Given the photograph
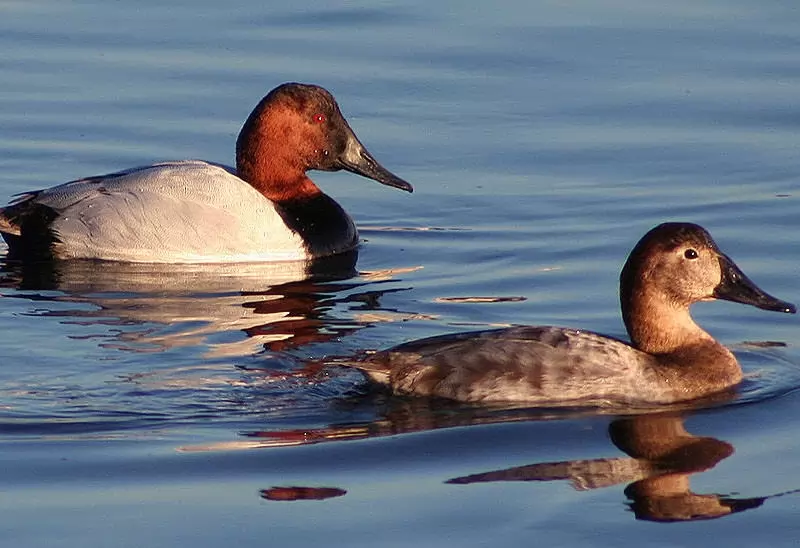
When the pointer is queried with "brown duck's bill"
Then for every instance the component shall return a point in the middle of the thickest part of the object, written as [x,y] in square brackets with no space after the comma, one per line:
[358,160]
[737,287]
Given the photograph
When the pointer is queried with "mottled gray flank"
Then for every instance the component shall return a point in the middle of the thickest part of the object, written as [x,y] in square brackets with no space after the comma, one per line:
[542,365]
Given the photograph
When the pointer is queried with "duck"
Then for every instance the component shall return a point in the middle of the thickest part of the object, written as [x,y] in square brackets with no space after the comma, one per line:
[193,211]
[669,358]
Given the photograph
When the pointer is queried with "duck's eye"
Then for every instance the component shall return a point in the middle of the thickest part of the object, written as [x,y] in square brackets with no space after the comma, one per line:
[319,118]
[690,254]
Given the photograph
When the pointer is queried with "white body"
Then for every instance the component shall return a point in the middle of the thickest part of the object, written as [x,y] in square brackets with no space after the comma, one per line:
[186,212]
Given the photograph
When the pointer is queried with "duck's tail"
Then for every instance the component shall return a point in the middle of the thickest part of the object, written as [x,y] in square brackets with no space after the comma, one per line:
[374,369]
[9,223]
[12,214]
[25,226]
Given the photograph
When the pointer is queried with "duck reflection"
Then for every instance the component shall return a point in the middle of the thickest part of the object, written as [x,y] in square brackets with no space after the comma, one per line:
[230,309]
[301,493]
[663,456]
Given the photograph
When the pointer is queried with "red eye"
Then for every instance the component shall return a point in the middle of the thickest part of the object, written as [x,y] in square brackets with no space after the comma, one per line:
[319,118]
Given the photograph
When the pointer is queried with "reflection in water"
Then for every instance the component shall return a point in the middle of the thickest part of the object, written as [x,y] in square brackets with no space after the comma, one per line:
[663,456]
[158,307]
[406,414]
[301,493]
[227,341]
[151,307]
[86,276]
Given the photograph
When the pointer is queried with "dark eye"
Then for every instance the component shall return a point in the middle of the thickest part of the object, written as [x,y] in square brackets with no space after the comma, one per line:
[319,118]
[690,254]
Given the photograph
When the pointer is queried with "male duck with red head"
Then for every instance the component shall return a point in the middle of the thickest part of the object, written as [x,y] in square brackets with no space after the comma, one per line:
[267,209]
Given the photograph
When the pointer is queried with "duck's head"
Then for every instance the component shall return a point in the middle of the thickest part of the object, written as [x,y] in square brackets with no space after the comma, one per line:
[297,128]
[677,264]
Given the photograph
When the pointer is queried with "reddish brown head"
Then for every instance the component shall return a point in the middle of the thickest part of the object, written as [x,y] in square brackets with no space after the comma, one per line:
[296,128]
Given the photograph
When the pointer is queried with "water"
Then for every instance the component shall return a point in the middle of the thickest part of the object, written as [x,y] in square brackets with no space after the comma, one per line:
[172,408]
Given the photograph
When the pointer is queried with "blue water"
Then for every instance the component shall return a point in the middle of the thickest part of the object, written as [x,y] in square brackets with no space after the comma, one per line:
[183,406]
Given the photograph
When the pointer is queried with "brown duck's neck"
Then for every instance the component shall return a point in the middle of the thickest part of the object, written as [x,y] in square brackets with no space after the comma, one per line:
[659,326]
[689,357]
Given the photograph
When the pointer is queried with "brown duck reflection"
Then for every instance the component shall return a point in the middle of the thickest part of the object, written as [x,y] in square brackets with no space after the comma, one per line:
[294,493]
[152,307]
[663,456]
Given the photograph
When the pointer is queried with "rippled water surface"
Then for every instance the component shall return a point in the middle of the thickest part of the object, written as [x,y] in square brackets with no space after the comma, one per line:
[190,406]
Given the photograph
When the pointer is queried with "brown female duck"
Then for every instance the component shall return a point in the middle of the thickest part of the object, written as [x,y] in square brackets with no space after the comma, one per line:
[669,359]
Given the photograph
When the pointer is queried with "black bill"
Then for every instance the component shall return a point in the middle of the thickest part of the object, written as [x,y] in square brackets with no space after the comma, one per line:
[356,159]
[737,287]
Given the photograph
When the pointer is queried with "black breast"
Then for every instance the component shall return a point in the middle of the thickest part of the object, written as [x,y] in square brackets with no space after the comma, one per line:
[322,223]
[36,238]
